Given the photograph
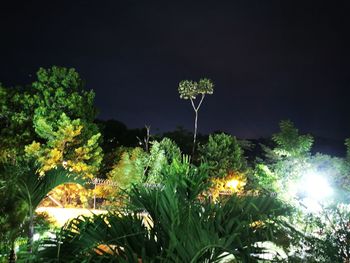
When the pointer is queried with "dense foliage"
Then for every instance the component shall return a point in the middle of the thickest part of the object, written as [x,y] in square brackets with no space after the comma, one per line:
[174,226]
[285,204]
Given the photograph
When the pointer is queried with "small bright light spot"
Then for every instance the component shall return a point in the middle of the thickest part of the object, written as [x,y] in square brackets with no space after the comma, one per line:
[233,184]
[36,237]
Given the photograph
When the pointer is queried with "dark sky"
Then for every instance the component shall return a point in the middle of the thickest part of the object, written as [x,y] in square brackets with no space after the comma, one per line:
[269,60]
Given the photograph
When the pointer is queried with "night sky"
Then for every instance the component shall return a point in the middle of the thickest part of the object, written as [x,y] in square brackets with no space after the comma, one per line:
[269,60]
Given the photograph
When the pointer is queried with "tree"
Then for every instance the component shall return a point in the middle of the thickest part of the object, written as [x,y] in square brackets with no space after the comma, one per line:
[223,154]
[60,90]
[57,90]
[16,119]
[34,188]
[66,145]
[289,142]
[61,119]
[171,150]
[190,90]
[286,162]
[337,171]
[26,190]
[134,165]
[129,169]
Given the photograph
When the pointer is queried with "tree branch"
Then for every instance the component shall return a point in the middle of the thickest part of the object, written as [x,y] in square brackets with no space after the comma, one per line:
[193,106]
[200,103]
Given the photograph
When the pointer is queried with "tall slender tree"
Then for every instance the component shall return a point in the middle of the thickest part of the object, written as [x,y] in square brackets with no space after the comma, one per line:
[190,90]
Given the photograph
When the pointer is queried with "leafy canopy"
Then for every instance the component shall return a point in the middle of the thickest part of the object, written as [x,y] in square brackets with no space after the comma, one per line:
[61,90]
[289,142]
[65,144]
[189,89]
[32,113]
[223,154]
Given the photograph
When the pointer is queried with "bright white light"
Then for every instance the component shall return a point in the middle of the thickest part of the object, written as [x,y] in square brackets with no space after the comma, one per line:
[36,237]
[233,184]
[315,187]
[312,205]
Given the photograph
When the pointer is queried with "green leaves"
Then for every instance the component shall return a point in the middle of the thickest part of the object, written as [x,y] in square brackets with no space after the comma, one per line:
[223,154]
[290,143]
[58,90]
[39,110]
[67,141]
[189,89]
[22,190]
[173,223]
[13,209]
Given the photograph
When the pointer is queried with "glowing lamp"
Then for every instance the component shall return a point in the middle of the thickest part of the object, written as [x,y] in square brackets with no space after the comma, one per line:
[233,184]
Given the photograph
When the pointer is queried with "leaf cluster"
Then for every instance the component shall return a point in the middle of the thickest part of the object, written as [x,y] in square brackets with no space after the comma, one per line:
[223,154]
[189,89]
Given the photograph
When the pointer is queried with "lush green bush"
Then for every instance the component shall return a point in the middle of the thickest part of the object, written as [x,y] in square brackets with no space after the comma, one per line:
[173,222]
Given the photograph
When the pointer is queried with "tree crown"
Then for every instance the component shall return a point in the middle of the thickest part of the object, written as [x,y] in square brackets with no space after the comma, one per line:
[189,89]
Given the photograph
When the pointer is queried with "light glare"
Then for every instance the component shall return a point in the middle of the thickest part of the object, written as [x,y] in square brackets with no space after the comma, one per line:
[315,187]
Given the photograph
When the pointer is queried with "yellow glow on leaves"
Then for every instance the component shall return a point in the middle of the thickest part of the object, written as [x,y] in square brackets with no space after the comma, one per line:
[234,182]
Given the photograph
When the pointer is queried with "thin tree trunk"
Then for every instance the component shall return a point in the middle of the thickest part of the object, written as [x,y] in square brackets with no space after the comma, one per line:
[196,109]
[146,139]
[195,132]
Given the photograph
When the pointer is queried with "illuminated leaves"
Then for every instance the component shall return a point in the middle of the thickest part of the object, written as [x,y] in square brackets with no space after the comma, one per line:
[223,155]
[233,183]
[69,195]
[189,89]
[128,170]
[289,142]
[66,144]
[58,90]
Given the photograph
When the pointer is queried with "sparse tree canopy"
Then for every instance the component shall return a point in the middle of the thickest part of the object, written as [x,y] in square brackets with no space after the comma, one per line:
[189,89]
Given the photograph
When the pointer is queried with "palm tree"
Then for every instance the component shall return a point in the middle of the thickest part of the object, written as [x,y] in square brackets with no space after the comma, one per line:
[172,223]
[29,189]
